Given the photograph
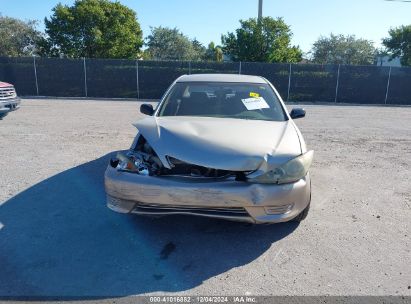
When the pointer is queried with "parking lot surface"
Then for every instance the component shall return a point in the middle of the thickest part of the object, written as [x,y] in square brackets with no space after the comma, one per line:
[57,238]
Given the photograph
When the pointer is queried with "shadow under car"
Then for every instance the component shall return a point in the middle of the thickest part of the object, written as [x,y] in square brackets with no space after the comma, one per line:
[59,240]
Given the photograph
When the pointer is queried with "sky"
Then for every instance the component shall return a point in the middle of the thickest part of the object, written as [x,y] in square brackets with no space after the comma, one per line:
[206,20]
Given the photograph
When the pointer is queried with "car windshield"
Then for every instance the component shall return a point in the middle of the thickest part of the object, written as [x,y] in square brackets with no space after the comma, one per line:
[226,100]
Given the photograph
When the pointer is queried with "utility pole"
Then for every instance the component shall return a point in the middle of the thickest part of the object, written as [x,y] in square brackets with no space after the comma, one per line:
[260,9]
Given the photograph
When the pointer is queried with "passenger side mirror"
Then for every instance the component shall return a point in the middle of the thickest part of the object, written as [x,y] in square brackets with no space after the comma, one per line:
[147,109]
[297,113]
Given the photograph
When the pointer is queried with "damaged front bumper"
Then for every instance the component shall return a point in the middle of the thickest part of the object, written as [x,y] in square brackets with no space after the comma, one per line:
[227,199]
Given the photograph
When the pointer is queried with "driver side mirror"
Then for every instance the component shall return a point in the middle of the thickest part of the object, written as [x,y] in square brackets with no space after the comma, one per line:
[297,113]
[147,109]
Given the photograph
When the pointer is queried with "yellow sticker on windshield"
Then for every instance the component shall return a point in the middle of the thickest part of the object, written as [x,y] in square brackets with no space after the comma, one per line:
[255,95]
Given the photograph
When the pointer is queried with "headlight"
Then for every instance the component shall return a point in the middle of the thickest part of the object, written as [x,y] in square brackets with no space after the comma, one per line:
[125,163]
[129,163]
[291,171]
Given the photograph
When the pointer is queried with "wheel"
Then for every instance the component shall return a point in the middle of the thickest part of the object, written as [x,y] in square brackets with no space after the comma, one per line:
[302,215]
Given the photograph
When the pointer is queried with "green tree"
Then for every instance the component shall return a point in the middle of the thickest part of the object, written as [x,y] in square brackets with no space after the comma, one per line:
[399,43]
[18,38]
[199,50]
[170,44]
[94,29]
[219,55]
[145,55]
[340,49]
[265,40]
[213,53]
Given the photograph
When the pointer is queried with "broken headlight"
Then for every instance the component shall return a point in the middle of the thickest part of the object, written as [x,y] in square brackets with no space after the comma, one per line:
[291,171]
[130,163]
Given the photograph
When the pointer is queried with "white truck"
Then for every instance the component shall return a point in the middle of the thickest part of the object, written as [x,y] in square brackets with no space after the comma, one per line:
[8,99]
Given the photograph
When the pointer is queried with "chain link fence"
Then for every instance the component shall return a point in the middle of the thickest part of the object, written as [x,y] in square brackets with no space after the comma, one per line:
[123,78]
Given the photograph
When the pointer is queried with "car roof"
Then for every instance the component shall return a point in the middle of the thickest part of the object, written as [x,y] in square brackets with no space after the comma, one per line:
[221,78]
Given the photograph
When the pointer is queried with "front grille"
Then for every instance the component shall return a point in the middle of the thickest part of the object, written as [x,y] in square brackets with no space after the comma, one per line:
[182,168]
[7,92]
[212,211]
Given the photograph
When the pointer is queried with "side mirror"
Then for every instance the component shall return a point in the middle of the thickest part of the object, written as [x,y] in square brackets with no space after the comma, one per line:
[297,113]
[147,109]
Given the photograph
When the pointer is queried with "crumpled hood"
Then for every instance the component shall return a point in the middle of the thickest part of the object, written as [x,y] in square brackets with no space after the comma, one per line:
[221,143]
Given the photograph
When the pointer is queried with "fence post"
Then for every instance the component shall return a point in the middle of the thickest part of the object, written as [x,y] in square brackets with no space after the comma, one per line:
[35,75]
[85,76]
[137,81]
[388,86]
[289,82]
[239,68]
[337,84]
[189,67]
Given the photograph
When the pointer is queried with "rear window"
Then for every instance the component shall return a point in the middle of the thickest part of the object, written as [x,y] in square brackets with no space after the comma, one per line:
[225,100]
